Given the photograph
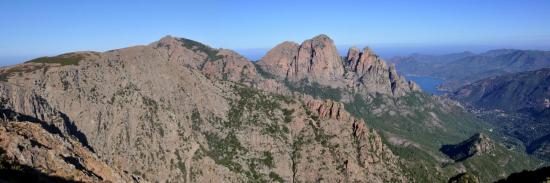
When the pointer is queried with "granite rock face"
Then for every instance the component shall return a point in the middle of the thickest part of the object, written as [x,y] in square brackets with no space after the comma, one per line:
[317,60]
[177,110]
[27,144]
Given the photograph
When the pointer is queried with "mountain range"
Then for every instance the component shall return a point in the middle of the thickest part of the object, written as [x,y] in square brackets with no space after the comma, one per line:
[459,69]
[177,110]
[519,103]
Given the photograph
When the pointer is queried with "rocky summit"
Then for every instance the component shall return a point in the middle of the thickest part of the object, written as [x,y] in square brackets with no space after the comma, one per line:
[317,60]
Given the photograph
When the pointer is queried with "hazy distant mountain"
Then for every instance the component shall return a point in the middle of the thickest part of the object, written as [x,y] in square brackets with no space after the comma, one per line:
[521,92]
[420,64]
[520,103]
[464,68]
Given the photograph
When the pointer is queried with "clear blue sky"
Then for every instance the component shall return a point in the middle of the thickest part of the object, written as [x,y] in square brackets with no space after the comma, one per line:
[34,28]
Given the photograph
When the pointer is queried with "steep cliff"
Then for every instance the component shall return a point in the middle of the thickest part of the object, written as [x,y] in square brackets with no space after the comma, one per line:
[316,60]
[29,153]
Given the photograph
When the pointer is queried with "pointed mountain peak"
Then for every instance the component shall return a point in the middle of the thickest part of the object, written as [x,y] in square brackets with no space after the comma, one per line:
[166,41]
[367,49]
[167,37]
[320,42]
[179,41]
[392,68]
[321,37]
[316,59]
[282,50]
[353,54]
[287,44]
[353,48]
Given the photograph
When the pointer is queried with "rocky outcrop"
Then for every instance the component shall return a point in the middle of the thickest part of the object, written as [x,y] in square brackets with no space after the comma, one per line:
[362,62]
[365,140]
[218,63]
[372,75]
[43,156]
[478,144]
[283,55]
[317,60]
[352,58]
[232,66]
[328,109]
[368,153]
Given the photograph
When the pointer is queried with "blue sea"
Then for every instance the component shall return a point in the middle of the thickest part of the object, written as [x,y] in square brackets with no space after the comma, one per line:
[428,84]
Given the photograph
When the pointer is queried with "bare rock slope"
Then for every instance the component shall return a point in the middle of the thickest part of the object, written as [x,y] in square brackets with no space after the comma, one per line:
[29,153]
[179,111]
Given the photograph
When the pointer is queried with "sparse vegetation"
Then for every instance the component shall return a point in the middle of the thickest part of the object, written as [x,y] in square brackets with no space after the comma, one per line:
[65,59]
[262,72]
[267,159]
[196,46]
[123,93]
[252,174]
[180,164]
[151,115]
[276,130]
[257,106]
[466,177]
[196,120]
[150,103]
[251,101]
[320,135]
[288,115]
[251,109]
[276,177]
[314,89]
[43,63]
[429,124]
[19,70]
[295,154]
[224,151]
